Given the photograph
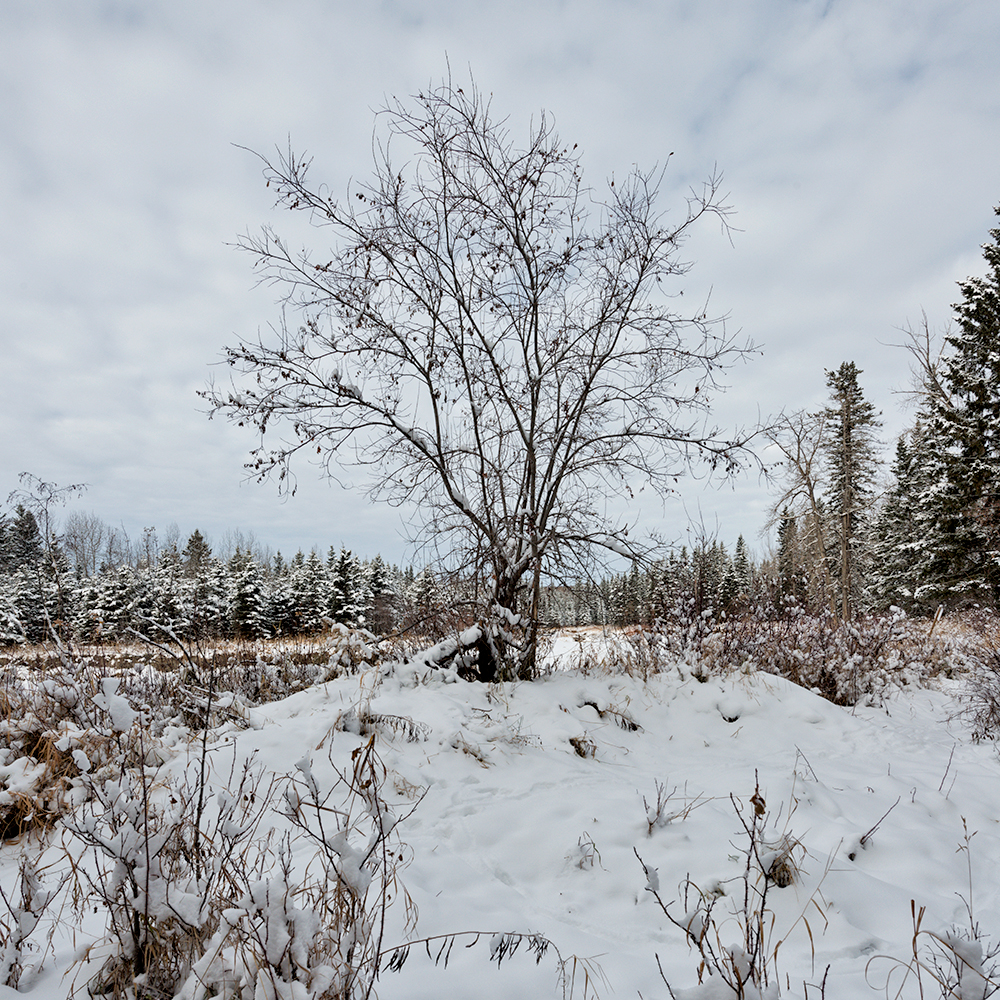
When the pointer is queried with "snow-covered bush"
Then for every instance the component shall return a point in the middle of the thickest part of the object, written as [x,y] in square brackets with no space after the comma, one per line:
[350,649]
[158,856]
[982,660]
[55,728]
[293,930]
[359,860]
[61,707]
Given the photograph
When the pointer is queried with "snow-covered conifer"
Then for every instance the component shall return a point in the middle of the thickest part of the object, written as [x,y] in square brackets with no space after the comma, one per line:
[961,499]
[246,612]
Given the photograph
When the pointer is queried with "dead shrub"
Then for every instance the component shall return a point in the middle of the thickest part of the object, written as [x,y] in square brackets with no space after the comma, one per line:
[848,663]
[713,916]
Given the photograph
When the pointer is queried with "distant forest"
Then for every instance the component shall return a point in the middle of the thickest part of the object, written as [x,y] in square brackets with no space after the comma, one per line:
[89,583]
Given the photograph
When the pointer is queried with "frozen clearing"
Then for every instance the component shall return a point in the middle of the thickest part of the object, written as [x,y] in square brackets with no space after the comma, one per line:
[521,830]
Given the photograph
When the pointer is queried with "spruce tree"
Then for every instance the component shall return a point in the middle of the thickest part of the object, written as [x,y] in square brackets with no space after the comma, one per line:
[852,462]
[280,599]
[23,545]
[247,615]
[309,586]
[345,601]
[789,589]
[742,570]
[964,561]
[380,594]
[196,553]
[4,543]
[11,632]
[424,593]
[900,529]
[168,591]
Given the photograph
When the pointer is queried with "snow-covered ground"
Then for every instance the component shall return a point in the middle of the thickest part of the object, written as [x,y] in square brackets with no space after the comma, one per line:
[520,829]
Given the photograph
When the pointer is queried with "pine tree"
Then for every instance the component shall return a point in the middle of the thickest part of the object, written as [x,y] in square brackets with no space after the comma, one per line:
[4,543]
[11,630]
[381,595]
[115,591]
[424,593]
[168,592]
[30,609]
[790,588]
[313,595]
[345,601]
[309,586]
[280,599]
[619,605]
[742,571]
[852,463]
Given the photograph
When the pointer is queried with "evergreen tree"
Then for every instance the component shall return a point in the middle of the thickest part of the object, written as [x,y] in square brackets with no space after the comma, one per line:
[246,611]
[312,593]
[742,571]
[22,542]
[962,495]
[790,588]
[30,604]
[346,600]
[168,592]
[381,597]
[897,540]
[210,607]
[308,583]
[4,543]
[280,599]
[11,631]
[620,607]
[728,591]
[852,463]
[424,594]
[677,585]
[196,553]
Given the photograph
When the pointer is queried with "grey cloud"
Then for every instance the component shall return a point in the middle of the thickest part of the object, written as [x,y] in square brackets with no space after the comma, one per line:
[859,143]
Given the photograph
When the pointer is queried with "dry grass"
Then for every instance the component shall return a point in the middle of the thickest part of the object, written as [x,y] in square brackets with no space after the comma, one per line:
[713,916]
[50,723]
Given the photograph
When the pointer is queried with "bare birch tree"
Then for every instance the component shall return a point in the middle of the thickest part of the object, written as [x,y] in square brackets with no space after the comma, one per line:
[493,342]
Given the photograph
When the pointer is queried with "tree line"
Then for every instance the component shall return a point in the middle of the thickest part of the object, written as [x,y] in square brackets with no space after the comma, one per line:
[46,589]
[928,534]
[62,583]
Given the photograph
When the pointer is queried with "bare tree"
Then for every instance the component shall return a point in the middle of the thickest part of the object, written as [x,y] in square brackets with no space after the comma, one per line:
[799,437]
[926,351]
[491,341]
[84,538]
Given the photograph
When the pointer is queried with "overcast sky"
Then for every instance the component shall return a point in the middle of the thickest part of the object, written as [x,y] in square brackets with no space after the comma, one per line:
[860,142]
